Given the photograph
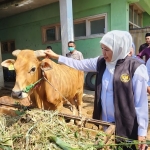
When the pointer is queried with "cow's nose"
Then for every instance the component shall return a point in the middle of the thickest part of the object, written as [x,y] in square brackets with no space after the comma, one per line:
[16,94]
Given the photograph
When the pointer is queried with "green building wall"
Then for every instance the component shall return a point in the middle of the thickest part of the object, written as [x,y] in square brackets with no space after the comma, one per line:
[25,28]
[119,15]
[146,20]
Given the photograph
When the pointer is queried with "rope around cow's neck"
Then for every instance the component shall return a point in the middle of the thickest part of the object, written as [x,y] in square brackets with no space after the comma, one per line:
[29,87]
[55,89]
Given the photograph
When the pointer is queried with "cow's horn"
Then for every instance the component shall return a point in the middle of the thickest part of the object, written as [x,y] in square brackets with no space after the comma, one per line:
[16,52]
[39,53]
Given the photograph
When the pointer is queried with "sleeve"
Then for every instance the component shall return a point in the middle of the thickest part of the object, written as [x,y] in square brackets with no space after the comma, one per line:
[141,54]
[148,70]
[140,48]
[139,81]
[87,65]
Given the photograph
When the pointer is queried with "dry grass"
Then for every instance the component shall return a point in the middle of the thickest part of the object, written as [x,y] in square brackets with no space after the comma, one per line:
[45,130]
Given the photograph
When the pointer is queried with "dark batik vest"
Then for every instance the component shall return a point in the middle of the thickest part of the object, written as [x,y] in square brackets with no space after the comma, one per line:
[123,96]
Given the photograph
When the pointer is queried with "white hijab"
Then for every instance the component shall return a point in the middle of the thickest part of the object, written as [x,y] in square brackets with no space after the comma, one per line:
[120,43]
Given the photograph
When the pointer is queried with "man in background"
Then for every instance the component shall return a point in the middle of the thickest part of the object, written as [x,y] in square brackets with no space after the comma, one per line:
[145,53]
[73,53]
[48,47]
[145,45]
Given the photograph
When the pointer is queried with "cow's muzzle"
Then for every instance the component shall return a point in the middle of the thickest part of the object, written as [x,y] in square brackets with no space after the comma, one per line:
[17,94]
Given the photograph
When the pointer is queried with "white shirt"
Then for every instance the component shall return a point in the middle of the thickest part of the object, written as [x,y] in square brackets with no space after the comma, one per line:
[139,82]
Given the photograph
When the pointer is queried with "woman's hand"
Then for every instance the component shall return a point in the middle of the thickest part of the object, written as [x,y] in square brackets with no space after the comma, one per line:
[51,54]
[142,140]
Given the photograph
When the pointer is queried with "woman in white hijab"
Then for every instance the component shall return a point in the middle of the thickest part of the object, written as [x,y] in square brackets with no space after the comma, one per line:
[121,85]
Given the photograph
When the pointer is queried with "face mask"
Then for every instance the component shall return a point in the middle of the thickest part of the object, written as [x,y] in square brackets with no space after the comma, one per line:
[71,49]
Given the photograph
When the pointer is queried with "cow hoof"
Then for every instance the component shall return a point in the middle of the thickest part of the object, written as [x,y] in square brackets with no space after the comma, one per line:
[71,122]
[78,123]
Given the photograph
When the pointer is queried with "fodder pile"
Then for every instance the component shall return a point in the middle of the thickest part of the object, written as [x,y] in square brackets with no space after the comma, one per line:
[45,130]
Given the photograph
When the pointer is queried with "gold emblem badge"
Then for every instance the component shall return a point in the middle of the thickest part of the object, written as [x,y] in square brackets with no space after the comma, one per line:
[125,78]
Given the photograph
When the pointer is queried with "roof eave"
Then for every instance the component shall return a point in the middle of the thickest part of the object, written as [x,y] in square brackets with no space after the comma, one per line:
[145,4]
[132,1]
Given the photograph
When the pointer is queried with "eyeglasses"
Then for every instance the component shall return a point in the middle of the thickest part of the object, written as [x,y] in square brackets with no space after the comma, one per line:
[70,46]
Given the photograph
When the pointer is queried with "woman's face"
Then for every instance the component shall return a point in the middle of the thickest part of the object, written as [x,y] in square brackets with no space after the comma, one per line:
[107,53]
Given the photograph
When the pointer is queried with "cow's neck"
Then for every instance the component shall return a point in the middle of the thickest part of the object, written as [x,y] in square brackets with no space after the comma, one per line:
[39,78]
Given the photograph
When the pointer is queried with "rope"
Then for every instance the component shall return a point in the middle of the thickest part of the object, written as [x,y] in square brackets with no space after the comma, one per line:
[29,87]
[71,107]
[55,89]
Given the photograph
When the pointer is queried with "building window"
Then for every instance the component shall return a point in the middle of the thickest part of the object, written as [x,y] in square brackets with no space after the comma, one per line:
[89,27]
[80,29]
[135,17]
[51,33]
[98,26]
[7,46]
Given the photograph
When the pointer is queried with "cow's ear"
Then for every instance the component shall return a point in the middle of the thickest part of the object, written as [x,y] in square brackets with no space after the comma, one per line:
[39,53]
[16,52]
[7,63]
[46,64]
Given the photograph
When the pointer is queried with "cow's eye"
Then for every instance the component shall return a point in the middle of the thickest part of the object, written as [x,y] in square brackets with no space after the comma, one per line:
[33,69]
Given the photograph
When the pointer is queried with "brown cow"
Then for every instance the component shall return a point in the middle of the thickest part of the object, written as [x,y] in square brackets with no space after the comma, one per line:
[62,81]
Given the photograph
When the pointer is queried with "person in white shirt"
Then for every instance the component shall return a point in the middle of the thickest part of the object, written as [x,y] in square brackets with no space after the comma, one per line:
[121,83]
[73,53]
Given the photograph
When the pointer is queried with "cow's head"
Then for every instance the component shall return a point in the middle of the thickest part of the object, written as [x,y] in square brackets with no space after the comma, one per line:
[27,67]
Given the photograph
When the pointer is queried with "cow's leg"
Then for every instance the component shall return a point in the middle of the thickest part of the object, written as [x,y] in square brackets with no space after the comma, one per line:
[68,103]
[74,106]
[79,102]
[33,100]
[74,110]
[39,101]
[59,105]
